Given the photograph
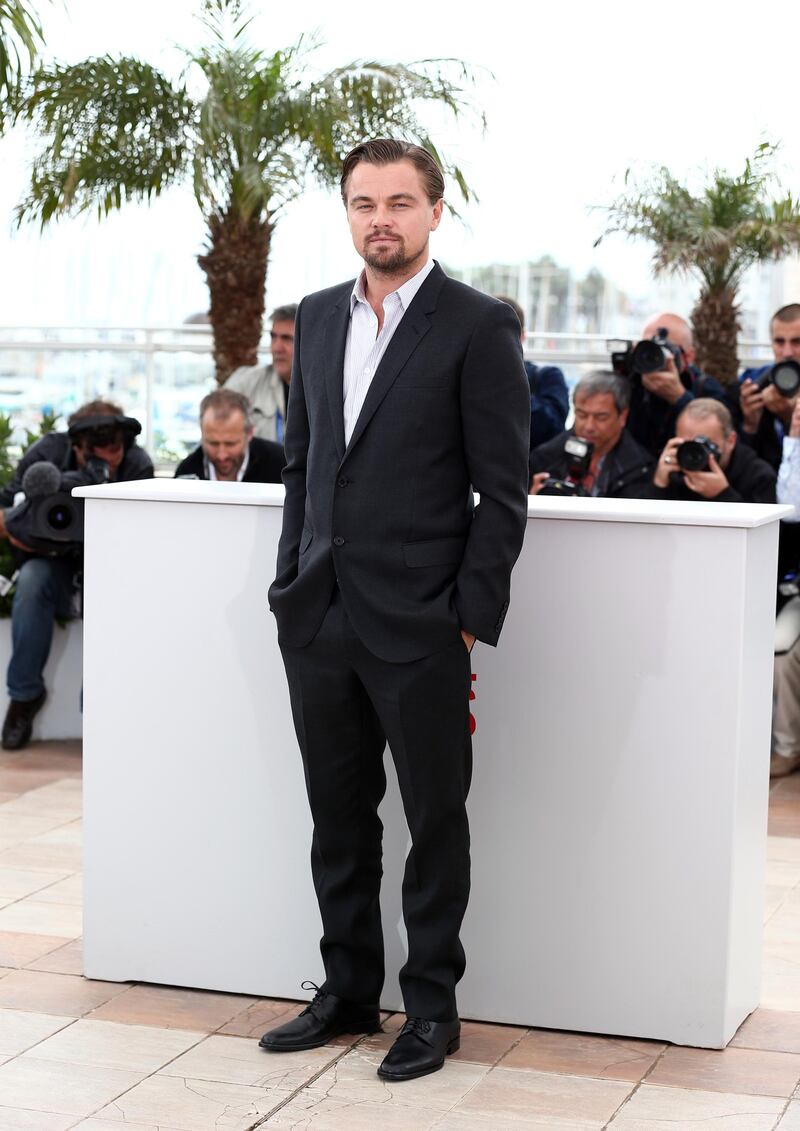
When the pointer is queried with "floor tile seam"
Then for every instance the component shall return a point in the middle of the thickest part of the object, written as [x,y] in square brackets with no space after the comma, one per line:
[781,1114]
[306,1084]
[638,1086]
[120,1095]
[48,902]
[121,1067]
[70,1021]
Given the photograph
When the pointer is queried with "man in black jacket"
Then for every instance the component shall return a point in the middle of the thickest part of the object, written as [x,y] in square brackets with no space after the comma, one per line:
[99,446]
[733,472]
[228,450]
[407,393]
[619,468]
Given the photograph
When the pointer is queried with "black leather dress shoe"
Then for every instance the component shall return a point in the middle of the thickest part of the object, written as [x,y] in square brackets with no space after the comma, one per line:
[420,1048]
[18,723]
[324,1018]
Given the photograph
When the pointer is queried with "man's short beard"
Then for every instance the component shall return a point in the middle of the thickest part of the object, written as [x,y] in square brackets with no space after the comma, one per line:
[390,264]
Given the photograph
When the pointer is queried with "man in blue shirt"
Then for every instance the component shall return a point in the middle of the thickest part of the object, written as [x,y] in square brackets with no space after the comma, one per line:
[766,414]
[549,392]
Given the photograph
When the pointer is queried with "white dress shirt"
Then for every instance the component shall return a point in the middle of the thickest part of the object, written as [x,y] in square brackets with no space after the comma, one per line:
[789,476]
[366,345]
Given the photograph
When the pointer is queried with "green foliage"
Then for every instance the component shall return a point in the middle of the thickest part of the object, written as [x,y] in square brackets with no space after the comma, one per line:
[20,38]
[262,125]
[716,233]
[47,424]
[7,465]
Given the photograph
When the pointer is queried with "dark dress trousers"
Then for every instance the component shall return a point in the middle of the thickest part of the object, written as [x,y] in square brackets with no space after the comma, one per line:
[383,559]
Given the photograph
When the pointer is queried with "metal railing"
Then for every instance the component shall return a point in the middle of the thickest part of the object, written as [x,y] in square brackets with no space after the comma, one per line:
[160,373]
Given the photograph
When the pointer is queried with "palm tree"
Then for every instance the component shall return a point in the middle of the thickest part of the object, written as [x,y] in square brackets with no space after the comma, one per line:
[20,36]
[715,235]
[260,130]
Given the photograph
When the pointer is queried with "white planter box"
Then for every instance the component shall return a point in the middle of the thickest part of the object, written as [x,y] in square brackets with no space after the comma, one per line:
[61,715]
[619,801]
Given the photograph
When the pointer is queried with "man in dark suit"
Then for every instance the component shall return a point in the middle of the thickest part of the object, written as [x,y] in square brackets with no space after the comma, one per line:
[407,392]
[228,449]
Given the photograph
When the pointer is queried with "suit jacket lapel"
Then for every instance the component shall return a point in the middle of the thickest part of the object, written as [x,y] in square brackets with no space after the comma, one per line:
[335,340]
[413,326]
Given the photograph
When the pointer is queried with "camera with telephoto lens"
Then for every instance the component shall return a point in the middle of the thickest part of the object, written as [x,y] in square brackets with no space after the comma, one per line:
[648,356]
[784,375]
[579,457]
[695,455]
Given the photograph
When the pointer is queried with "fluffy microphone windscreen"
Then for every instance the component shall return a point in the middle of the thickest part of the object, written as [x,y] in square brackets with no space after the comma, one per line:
[41,478]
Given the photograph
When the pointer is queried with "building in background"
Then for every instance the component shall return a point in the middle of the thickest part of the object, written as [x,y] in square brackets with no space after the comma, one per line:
[555,299]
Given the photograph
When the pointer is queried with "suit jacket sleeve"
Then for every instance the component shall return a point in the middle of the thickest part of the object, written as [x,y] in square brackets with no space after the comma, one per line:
[296,440]
[495,414]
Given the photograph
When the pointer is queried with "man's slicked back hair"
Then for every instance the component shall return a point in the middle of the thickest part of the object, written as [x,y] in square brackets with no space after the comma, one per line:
[386,151]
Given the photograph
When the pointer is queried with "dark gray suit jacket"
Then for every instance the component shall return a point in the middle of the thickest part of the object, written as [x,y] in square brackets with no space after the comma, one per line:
[392,516]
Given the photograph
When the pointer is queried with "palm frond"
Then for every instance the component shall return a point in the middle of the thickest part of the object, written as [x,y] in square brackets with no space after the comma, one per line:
[20,38]
[715,233]
[114,130]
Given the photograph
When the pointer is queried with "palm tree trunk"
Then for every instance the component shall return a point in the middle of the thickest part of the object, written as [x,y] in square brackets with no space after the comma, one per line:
[235,266]
[715,321]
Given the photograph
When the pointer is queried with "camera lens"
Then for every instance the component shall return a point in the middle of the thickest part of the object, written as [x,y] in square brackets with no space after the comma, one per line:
[60,517]
[648,357]
[786,377]
[692,455]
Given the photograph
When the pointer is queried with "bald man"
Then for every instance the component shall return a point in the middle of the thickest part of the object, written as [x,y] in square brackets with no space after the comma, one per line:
[658,400]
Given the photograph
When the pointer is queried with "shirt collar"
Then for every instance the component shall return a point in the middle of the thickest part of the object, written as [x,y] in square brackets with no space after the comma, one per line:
[405,293]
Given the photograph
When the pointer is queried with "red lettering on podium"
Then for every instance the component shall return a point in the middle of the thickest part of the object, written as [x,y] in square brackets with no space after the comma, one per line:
[472,723]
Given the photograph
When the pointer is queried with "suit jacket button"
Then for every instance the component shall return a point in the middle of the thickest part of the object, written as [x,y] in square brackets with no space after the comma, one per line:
[338,540]
[342,481]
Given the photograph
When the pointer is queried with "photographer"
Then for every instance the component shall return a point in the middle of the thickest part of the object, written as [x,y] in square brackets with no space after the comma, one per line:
[714,467]
[98,447]
[766,412]
[618,467]
[659,397]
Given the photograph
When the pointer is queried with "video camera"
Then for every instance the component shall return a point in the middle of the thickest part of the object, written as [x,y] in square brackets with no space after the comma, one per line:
[579,457]
[648,356]
[48,519]
[784,375]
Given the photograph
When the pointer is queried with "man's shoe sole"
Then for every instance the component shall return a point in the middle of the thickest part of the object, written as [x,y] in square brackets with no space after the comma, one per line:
[278,1046]
[454,1046]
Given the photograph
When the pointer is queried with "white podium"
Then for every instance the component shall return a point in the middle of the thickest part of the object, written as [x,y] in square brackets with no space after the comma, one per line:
[619,799]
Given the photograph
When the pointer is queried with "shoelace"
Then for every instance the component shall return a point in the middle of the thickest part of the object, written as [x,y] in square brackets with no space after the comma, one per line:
[417,1025]
[317,999]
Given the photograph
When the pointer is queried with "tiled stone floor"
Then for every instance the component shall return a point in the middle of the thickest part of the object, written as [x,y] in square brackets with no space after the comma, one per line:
[105,1056]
